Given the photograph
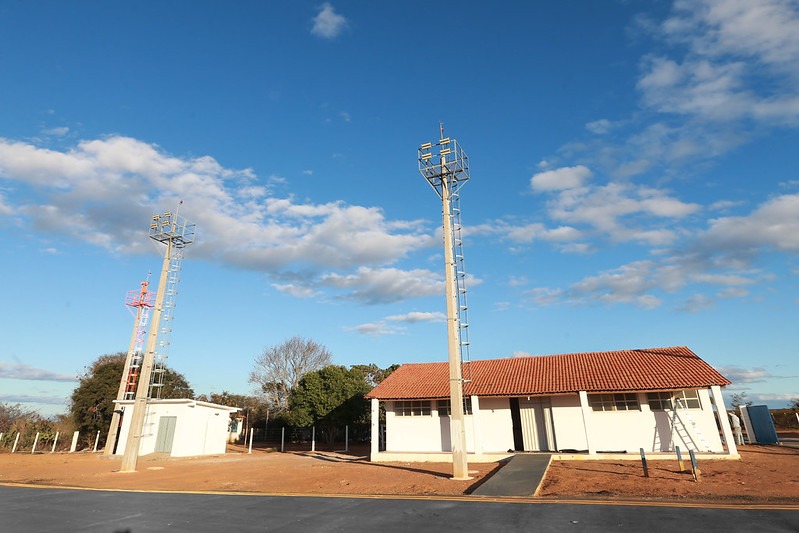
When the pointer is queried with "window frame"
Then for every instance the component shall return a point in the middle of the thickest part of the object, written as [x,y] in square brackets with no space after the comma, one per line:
[612,401]
[443,406]
[689,398]
[412,408]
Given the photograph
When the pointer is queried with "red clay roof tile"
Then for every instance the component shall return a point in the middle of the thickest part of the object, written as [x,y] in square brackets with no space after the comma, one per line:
[625,370]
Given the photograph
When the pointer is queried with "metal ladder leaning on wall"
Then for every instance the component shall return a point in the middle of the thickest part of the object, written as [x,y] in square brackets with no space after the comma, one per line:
[683,416]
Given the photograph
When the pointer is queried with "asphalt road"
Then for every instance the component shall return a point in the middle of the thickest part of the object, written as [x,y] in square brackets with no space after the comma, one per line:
[59,510]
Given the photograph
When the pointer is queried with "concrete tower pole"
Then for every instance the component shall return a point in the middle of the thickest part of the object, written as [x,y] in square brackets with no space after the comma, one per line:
[460,469]
[133,442]
[113,430]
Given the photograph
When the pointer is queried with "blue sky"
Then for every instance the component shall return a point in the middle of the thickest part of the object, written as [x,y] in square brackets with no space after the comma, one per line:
[634,181]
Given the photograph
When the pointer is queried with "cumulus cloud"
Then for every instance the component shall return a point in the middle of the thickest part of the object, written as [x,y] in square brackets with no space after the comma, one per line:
[104,191]
[773,225]
[729,44]
[328,24]
[372,286]
[560,178]
[611,209]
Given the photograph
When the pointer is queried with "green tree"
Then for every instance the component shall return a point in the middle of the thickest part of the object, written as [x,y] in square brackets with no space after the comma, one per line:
[330,398]
[279,369]
[92,401]
[794,404]
[374,374]
[254,409]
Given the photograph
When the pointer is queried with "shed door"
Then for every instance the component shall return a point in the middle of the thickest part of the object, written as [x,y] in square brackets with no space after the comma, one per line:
[536,414]
[166,434]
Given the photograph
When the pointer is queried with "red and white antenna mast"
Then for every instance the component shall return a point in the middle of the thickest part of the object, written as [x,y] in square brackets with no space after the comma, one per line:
[139,303]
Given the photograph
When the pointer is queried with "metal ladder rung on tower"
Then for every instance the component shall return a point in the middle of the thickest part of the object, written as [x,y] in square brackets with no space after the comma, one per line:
[460,280]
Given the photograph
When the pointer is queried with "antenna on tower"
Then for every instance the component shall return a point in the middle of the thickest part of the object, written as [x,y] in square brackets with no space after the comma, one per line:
[445,166]
[142,302]
[176,233]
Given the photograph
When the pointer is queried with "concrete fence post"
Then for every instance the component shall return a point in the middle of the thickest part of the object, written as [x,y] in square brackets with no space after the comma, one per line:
[16,441]
[35,441]
[282,438]
[74,445]
[55,441]
[313,438]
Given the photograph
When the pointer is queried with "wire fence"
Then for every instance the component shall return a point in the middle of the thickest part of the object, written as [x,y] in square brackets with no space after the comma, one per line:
[48,442]
[287,438]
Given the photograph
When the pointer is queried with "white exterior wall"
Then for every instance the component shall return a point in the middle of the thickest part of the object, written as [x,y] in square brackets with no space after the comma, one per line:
[201,428]
[496,425]
[567,421]
[612,430]
[656,431]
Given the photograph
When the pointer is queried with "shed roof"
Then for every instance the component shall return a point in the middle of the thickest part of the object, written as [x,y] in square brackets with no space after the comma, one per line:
[650,369]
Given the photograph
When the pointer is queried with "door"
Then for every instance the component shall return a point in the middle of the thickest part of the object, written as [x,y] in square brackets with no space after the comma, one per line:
[536,421]
[516,419]
[166,434]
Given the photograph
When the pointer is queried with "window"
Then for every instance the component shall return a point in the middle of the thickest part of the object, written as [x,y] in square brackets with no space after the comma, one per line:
[614,402]
[412,408]
[659,401]
[689,399]
[666,401]
[443,407]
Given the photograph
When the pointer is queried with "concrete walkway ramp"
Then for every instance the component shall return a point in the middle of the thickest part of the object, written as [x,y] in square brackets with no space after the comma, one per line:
[519,477]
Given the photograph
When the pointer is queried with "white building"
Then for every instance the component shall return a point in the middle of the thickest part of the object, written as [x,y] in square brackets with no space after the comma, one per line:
[588,403]
[179,427]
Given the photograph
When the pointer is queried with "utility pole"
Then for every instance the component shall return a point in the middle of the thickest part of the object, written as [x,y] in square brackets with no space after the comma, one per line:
[173,231]
[446,171]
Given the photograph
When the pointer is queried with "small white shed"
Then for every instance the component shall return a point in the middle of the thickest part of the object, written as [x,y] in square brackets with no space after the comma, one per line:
[179,427]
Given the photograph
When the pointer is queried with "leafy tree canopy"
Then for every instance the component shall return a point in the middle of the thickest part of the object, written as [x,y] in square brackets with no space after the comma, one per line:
[279,369]
[331,398]
[92,404]
[374,374]
[254,409]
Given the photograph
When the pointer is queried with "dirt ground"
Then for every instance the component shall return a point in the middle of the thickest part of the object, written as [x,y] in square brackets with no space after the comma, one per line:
[764,475]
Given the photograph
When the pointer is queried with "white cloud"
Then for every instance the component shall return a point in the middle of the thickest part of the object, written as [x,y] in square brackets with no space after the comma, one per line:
[58,131]
[560,178]
[104,191]
[378,328]
[418,316]
[599,127]
[696,303]
[372,286]
[773,225]
[298,291]
[609,209]
[27,372]
[732,47]
[327,23]
[737,374]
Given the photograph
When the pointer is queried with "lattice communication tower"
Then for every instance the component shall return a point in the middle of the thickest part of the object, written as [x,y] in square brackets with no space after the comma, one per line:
[177,233]
[445,166]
